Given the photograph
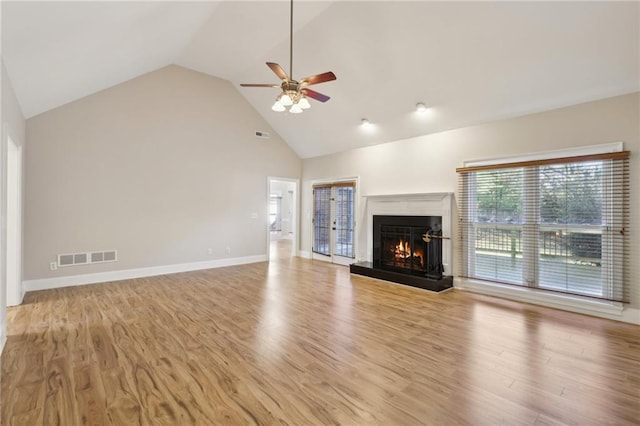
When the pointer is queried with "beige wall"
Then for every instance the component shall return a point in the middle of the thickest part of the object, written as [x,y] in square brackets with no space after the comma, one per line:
[428,163]
[161,168]
[13,125]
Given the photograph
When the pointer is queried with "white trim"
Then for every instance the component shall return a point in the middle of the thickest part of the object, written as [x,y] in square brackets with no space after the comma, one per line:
[422,196]
[321,257]
[583,305]
[13,155]
[304,254]
[126,274]
[336,180]
[3,339]
[546,155]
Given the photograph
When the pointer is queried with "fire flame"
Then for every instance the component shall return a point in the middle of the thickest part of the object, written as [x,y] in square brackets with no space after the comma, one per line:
[403,250]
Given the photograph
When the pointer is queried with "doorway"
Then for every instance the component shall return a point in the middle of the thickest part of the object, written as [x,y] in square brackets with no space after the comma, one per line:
[14,223]
[282,223]
[334,222]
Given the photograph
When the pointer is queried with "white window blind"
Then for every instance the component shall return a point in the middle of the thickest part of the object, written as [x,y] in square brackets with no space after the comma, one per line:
[557,224]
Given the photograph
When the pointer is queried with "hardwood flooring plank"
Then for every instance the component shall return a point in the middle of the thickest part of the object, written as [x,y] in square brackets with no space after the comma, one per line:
[60,402]
[90,396]
[122,404]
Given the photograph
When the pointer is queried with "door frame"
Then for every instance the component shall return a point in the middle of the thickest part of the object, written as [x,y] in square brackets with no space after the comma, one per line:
[356,212]
[11,252]
[13,194]
[295,215]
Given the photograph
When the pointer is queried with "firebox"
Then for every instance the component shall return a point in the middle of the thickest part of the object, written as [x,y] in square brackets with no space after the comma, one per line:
[408,244]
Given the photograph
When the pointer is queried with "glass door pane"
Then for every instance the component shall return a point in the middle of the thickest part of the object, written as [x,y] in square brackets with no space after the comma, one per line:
[322,220]
[344,221]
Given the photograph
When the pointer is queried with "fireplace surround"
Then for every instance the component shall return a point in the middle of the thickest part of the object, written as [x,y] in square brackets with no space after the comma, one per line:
[408,240]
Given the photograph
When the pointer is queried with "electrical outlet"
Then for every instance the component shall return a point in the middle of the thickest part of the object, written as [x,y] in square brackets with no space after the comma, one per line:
[53,266]
[228,250]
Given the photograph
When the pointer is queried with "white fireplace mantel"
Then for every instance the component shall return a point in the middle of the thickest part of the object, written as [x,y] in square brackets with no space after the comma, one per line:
[424,204]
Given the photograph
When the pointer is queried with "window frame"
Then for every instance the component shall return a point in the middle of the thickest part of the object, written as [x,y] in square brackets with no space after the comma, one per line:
[531,225]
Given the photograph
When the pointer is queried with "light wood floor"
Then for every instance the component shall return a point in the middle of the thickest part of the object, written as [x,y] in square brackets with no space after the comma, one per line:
[303,342]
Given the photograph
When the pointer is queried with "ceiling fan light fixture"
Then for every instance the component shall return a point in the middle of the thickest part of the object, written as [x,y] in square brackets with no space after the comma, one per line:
[295,109]
[278,107]
[304,103]
[286,100]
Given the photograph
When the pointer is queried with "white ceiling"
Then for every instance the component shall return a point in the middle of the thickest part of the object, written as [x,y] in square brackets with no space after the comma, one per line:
[470,62]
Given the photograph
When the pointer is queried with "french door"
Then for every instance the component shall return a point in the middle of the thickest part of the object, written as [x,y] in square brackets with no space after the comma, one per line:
[334,222]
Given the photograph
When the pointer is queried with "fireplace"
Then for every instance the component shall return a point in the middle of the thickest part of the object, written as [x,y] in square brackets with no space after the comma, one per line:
[408,244]
[408,240]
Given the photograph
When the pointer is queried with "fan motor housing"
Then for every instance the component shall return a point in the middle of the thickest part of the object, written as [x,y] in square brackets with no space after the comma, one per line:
[290,86]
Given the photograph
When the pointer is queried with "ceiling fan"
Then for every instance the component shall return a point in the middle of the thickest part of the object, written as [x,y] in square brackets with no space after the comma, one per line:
[294,92]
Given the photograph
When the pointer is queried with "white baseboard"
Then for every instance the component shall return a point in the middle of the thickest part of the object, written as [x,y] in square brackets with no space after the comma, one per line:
[304,254]
[126,274]
[3,338]
[582,305]
[19,301]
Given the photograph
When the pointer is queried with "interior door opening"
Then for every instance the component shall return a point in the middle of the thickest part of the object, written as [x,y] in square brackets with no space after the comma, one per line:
[282,218]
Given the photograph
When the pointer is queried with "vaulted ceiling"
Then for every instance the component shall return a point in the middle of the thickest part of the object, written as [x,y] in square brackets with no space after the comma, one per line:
[469,62]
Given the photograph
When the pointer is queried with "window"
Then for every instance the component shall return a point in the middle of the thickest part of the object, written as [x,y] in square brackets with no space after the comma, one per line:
[556,224]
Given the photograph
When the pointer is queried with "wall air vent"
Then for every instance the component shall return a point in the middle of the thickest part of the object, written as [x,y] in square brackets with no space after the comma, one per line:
[65,259]
[74,259]
[263,135]
[104,256]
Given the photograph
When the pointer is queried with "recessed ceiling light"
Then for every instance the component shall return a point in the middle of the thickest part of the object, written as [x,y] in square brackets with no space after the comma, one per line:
[420,107]
[366,123]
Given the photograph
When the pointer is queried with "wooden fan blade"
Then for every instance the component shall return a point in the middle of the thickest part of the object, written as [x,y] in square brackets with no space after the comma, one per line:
[318,78]
[278,70]
[315,95]
[259,85]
